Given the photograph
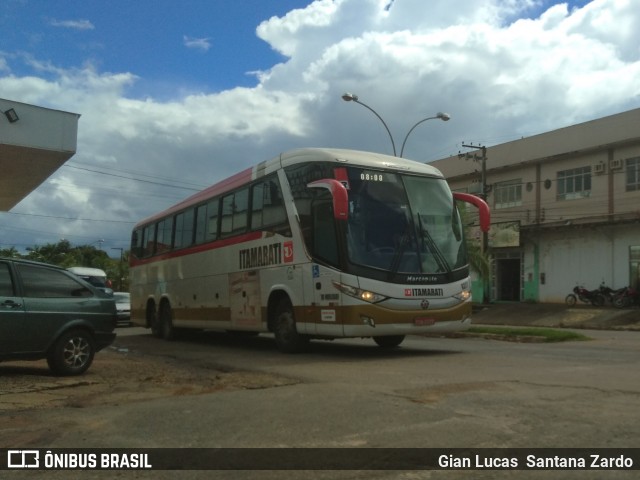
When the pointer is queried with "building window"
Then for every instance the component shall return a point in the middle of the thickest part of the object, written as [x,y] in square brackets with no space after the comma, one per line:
[633,174]
[574,183]
[508,194]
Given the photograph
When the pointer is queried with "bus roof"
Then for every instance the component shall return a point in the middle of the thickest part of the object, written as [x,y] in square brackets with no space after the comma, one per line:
[292,157]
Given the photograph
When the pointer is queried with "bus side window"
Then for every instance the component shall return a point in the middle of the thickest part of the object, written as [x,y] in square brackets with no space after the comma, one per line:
[187,228]
[235,208]
[163,235]
[201,223]
[136,244]
[148,240]
[267,206]
[179,223]
[212,221]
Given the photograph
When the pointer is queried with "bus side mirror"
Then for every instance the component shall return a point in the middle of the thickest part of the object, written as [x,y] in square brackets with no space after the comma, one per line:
[480,204]
[339,195]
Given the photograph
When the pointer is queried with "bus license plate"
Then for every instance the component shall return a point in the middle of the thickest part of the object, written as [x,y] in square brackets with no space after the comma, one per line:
[423,321]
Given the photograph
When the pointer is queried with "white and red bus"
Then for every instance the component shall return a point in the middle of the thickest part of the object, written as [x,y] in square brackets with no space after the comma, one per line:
[315,243]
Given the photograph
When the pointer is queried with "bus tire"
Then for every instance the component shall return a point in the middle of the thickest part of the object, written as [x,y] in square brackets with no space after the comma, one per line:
[152,320]
[389,341]
[166,330]
[288,339]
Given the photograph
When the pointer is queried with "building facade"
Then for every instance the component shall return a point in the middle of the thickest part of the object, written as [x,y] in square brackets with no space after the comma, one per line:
[565,208]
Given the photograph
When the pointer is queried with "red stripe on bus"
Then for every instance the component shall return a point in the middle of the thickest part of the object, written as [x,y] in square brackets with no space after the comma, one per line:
[203,247]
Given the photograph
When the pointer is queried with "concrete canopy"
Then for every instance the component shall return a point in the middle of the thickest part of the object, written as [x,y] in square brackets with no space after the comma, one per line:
[32,148]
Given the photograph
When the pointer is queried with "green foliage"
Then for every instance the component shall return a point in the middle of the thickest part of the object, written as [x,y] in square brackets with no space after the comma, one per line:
[478,261]
[65,255]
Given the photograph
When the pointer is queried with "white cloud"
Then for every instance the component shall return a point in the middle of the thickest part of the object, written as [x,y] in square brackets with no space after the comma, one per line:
[197,43]
[79,24]
[500,78]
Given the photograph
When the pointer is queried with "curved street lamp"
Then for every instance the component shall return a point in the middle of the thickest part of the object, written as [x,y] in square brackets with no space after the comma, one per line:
[442,116]
[350,97]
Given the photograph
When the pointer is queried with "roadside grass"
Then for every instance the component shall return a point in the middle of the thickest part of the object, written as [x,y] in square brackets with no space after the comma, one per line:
[523,333]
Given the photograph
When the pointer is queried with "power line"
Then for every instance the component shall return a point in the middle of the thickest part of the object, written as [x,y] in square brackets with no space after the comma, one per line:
[69,218]
[133,179]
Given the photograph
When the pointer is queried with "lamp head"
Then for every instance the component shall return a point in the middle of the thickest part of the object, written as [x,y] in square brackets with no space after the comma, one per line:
[348,97]
[443,116]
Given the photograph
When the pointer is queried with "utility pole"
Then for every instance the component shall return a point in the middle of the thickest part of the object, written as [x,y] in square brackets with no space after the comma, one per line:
[484,246]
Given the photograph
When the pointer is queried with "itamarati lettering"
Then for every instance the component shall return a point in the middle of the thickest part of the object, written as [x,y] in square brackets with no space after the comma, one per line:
[261,256]
[423,292]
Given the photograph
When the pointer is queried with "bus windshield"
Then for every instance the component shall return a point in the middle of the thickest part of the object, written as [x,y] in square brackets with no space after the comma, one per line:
[403,223]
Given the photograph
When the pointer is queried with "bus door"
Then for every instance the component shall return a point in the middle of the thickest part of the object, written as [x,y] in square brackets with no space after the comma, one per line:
[324,245]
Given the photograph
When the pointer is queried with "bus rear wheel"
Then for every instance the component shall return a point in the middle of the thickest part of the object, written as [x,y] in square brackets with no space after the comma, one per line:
[288,339]
[166,330]
[390,341]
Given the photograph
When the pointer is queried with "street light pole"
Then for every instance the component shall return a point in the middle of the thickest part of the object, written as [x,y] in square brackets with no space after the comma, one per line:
[350,97]
[442,116]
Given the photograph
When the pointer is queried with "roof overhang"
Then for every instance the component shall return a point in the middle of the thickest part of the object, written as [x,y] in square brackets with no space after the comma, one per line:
[32,148]
[24,169]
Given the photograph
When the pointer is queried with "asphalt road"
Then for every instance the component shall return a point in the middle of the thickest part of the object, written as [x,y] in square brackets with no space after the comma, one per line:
[431,392]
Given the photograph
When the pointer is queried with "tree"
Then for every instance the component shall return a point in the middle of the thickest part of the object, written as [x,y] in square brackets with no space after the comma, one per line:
[9,252]
[63,254]
[479,261]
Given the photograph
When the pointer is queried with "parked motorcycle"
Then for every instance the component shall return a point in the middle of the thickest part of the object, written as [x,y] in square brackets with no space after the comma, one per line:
[629,296]
[610,294]
[594,297]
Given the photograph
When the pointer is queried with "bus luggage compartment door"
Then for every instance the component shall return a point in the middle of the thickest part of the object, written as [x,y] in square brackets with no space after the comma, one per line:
[244,299]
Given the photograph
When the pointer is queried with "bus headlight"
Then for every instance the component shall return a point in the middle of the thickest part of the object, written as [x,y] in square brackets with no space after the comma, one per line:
[364,295]
[463,296]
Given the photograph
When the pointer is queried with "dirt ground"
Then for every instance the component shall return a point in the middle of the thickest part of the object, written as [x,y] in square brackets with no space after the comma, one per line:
[119,374]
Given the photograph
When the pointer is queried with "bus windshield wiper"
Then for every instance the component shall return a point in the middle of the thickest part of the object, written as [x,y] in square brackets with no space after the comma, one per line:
[443,265]
[395,261]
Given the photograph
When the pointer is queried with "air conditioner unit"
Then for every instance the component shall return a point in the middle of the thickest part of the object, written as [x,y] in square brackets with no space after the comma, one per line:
[616,164]
[598,168]
[475,188]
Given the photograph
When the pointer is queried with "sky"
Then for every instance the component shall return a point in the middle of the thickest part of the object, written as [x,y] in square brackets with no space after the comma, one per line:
[177,95]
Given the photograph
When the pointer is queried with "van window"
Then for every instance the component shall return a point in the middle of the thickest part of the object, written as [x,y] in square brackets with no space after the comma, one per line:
[6,284]
[48,283]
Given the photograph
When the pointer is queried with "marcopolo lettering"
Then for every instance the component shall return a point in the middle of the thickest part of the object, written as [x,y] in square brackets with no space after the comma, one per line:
[423,292]
[262,256]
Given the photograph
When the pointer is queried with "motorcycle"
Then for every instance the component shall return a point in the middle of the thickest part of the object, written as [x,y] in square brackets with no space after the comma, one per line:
[594,297]
[629,296]
[609,293]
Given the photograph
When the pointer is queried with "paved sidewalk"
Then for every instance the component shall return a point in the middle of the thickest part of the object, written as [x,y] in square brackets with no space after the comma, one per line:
[557,315]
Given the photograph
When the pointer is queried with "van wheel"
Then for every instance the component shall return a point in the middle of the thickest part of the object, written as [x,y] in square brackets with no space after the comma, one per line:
[389,341]
[287,337]
[72,354]
[166,330]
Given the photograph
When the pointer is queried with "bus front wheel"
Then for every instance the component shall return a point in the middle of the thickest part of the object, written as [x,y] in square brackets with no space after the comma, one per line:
[389,341]
[288,339]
